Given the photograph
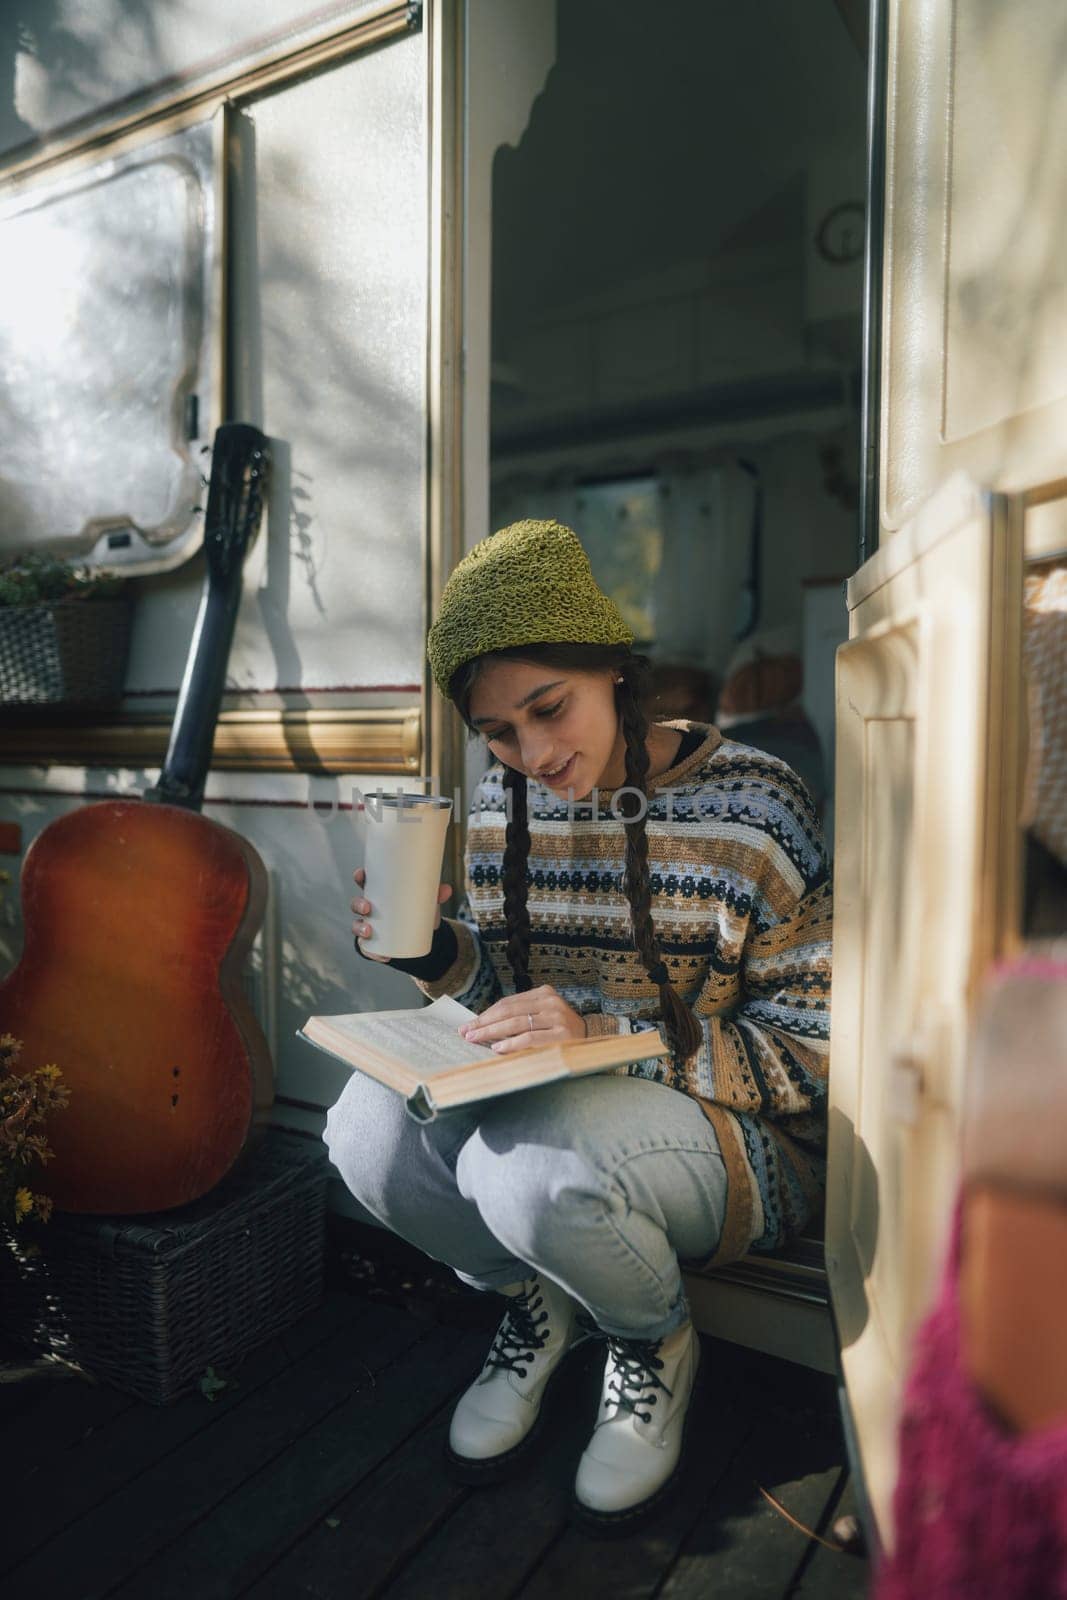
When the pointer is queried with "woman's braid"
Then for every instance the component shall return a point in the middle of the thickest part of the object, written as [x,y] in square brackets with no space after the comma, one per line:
[683,1029]
[516,856]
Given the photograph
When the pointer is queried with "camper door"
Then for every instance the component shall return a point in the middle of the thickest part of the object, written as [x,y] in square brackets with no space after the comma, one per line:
[973,414]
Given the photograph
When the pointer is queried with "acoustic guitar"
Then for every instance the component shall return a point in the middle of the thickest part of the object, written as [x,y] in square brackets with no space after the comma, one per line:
[138,917]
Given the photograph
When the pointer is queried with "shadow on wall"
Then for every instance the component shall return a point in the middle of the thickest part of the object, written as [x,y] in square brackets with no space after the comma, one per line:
[341,392]
[15,38]
[313,529]
[48,72]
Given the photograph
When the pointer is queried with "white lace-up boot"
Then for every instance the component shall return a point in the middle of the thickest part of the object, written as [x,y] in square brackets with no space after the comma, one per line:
[496,1417]
[636,1446]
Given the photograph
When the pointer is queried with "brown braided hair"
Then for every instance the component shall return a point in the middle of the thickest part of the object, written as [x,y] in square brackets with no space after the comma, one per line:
[682,1027]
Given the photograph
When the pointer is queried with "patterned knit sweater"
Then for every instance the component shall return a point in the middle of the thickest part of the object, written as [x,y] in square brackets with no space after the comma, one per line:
[741,907]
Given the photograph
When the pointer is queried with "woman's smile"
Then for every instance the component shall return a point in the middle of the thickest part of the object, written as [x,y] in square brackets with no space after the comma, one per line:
[557,778]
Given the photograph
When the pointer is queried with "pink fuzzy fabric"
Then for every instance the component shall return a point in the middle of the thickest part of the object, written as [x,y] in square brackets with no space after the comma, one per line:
[980,1514]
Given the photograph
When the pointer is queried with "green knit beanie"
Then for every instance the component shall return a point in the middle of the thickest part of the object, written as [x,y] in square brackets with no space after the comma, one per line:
[530,583]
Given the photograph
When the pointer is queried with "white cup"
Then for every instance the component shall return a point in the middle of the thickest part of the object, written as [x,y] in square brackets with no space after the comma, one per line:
[404,846]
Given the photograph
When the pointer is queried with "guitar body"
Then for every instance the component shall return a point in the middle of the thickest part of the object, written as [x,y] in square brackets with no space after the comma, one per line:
[138,921]
[138,917]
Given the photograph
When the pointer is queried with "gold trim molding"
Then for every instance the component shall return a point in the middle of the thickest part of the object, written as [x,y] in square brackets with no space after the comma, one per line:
[321,741]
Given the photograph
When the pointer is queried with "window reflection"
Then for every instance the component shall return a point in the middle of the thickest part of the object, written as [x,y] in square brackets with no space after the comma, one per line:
[108,329]
[622,531]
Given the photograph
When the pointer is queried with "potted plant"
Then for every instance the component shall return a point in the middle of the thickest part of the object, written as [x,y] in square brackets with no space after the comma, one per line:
[64,634]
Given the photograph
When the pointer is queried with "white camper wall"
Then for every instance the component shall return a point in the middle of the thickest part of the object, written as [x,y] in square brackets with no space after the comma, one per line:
[66,61]
[332,241]
[328,352]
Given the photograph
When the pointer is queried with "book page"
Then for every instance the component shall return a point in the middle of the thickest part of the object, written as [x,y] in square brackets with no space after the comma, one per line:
[426,1040]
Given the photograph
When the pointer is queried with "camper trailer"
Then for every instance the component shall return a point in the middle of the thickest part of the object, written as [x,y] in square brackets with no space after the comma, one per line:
[766,301]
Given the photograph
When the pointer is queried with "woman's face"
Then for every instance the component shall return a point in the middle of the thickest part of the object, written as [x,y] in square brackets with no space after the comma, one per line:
[560,727]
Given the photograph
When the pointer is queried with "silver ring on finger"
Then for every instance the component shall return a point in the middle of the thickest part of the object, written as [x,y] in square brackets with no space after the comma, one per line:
[529,1018]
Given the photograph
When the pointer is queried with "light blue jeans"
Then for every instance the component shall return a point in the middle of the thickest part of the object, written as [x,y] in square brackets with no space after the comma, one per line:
[602,1184]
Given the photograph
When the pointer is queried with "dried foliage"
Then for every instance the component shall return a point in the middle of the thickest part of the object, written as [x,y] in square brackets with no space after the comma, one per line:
[27,1100]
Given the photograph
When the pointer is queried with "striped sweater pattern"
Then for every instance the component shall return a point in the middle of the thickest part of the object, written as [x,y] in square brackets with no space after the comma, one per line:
[742,911]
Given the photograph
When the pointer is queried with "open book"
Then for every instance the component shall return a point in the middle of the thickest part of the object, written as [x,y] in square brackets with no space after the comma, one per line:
[421,1055]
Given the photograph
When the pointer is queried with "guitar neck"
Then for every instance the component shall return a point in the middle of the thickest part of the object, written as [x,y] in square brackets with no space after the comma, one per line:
[184,773]
[238,479]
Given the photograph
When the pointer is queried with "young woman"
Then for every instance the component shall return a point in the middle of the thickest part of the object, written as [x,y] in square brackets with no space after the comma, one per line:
[620,876]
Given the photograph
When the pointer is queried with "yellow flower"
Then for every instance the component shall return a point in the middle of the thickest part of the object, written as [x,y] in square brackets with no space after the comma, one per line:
[23,1204]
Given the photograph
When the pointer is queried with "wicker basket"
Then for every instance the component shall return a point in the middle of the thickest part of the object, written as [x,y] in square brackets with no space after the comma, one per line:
[71,653]
[148,1303]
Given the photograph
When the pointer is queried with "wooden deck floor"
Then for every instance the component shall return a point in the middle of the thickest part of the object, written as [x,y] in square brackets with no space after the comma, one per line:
[317,1471]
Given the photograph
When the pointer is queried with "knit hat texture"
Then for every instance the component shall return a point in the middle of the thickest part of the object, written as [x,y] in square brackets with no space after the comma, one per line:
[530,583]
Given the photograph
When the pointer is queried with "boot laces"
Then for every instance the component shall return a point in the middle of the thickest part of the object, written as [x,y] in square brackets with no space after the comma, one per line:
[521,1333]
[634,1380]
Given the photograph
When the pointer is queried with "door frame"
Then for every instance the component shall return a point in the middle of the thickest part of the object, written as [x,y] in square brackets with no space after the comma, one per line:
[873,256]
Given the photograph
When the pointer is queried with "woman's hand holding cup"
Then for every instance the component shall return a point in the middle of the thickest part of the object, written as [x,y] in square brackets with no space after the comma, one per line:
[362,910]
